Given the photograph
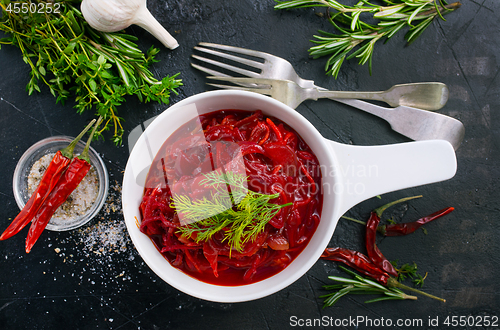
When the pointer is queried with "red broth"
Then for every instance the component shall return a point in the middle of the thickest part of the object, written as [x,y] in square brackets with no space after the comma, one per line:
[276,160]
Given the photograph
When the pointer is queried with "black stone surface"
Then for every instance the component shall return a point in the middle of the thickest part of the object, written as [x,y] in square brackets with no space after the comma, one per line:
[63,284]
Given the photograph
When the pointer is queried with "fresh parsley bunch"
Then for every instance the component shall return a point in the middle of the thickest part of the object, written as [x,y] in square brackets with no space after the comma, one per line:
[99,69]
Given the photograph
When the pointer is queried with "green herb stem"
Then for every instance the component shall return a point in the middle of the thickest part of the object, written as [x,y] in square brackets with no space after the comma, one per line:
[382,208]
[99,69]
[393,283]
[357,38]
[360,285]
[241,214]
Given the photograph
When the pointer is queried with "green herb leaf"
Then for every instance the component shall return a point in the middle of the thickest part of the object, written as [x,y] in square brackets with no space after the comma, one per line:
[358,38]
[419,281]
[93,85]
[240,213]
[360,285]
[98,69]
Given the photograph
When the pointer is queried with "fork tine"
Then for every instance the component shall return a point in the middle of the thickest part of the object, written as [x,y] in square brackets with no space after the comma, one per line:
[227,66]
[209,71]
[239,50]
[264,91]
[254,64]
[261,81]
[218,74]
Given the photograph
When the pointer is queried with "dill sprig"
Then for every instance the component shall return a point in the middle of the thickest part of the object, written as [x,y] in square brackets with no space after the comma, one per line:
[241,214]
[357,38]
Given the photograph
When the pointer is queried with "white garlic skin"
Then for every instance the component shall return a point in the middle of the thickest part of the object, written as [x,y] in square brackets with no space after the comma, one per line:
[110,15]
[116,15]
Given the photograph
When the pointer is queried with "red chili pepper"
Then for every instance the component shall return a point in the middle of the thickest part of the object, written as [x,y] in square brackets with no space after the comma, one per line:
[364,265]
[371,247]
[401,229]
[71,178]
[357,261]
[52,174]
[375,265]
[371,231]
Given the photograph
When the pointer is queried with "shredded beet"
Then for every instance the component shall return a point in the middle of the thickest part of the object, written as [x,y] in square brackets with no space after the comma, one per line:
[276,161]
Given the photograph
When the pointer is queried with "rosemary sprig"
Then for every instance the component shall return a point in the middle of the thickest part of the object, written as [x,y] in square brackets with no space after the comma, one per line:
[357,38]
[66,54]
[241,214]
[360,285]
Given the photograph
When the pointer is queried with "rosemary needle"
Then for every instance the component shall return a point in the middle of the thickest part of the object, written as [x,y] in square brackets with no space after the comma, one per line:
[360,285]
[357,38]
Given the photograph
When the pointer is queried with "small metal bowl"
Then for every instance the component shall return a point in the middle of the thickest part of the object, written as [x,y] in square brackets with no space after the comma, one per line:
[52,145]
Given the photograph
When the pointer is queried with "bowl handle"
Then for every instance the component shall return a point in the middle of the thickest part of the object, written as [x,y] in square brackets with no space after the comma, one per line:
[368,171]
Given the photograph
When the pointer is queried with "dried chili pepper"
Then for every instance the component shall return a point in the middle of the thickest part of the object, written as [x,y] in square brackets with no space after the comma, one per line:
[373,251]
[371,247]
[68,182]
[401,229]
[357,261]
[52,174]
[364,265]
[372,226]
[375,265]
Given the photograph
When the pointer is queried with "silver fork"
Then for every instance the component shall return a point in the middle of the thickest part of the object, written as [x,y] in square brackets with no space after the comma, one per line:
[293,95]
[413,123]
[426,96]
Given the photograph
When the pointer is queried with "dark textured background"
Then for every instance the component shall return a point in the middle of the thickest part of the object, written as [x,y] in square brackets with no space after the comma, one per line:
[62,284]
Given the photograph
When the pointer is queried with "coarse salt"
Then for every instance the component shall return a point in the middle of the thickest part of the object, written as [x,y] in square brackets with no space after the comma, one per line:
[79,201]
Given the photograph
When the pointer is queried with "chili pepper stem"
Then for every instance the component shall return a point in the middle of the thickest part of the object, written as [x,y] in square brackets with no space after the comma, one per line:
[354,220]
[393,283]
[381,209]
[68,151]
[85,153]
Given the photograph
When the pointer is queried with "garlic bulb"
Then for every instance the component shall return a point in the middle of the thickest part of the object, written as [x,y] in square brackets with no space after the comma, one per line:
[116,15]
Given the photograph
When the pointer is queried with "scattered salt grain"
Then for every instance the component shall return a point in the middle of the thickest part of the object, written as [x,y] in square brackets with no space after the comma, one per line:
[107,236]
[104,237]
[102,249]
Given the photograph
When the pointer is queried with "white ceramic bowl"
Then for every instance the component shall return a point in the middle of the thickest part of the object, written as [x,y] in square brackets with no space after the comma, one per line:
[351,174]
[52,145]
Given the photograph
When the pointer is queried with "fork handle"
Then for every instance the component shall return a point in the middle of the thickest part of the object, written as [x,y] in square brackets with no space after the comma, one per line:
[377,96]
[415,124]
[384,113]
